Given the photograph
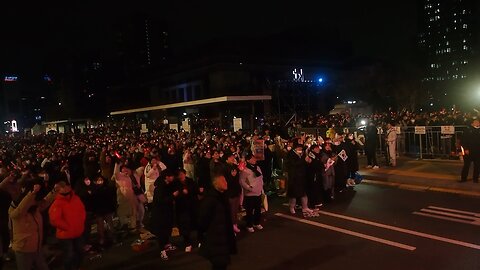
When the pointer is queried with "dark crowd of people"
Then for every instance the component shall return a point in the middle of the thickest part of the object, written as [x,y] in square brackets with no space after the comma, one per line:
[399,118]
[124,182]
[121,181]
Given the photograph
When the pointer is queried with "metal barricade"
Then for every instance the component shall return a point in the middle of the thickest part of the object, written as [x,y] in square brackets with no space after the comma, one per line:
[432,144]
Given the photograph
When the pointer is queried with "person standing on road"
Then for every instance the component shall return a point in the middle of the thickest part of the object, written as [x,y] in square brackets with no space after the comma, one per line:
[251,180]
[186,206]
[471,146]
[67,214]
[371,142]
[215,226]
[315,170]
[392,143]
[166,191]
[234,190]
[297,170]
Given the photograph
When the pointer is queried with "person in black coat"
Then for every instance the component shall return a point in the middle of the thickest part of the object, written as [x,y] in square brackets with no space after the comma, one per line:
[351,147]
[166,190]
[234,190]
[215,226]
[371,142]
[297,178]
[315,170]
[203,172]
[84,190]
[185,206]
[104,205]
[471,146]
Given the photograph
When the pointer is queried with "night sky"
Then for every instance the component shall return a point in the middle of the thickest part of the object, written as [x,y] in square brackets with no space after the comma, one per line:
[36,38]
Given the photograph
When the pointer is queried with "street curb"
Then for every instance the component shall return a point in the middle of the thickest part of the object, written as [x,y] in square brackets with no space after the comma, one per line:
[423,188]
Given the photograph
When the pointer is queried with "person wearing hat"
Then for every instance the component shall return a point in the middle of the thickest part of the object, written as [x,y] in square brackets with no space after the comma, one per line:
[251,180]
[296,188]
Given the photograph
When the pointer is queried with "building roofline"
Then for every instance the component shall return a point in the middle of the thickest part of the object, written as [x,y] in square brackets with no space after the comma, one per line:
[194,103]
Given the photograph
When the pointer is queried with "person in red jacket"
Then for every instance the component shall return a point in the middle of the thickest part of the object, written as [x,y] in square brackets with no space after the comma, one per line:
[67,214]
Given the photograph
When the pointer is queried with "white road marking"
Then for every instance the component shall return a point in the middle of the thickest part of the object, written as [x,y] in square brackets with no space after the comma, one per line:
[407,231]
[442,217]
[450,215]
[345,231]
[455,211]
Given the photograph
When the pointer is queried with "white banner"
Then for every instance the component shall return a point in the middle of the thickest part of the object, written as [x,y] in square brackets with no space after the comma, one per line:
[174,126]
[448,130]
[237,124]
[420,130]
[186,126]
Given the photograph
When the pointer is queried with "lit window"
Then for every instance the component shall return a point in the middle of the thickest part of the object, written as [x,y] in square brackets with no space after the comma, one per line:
[464,41]
[446,43]
[448,49]
[464,26]
[465,47]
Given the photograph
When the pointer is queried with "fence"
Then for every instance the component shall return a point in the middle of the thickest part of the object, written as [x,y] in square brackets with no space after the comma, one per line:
[433,142]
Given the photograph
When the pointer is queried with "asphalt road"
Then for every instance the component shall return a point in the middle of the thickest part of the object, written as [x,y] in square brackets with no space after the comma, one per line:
[372,227]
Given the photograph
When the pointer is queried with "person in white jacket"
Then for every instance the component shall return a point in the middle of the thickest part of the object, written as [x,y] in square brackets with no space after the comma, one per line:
[392,143]
[127,201]
[152,171]
[251,180]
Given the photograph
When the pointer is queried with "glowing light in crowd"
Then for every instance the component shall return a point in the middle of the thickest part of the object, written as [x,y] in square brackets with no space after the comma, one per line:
[298,75]
[363,122]
[14,126]
[320,80]
[11,78]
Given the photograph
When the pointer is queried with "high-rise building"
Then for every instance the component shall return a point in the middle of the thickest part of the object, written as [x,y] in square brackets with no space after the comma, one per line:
[448,40]
[141,41]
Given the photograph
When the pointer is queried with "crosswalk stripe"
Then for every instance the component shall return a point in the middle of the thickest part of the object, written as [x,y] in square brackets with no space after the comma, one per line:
[407,231]
[442,217]
[345,231]
[464,217]
[455,211]
[454,215]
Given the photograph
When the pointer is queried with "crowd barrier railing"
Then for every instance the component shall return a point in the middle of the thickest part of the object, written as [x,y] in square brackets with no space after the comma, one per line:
[423,142]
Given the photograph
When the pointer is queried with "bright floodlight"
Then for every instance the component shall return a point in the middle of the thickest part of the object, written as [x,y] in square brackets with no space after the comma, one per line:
[320,80]
[184,114]
[363,122]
